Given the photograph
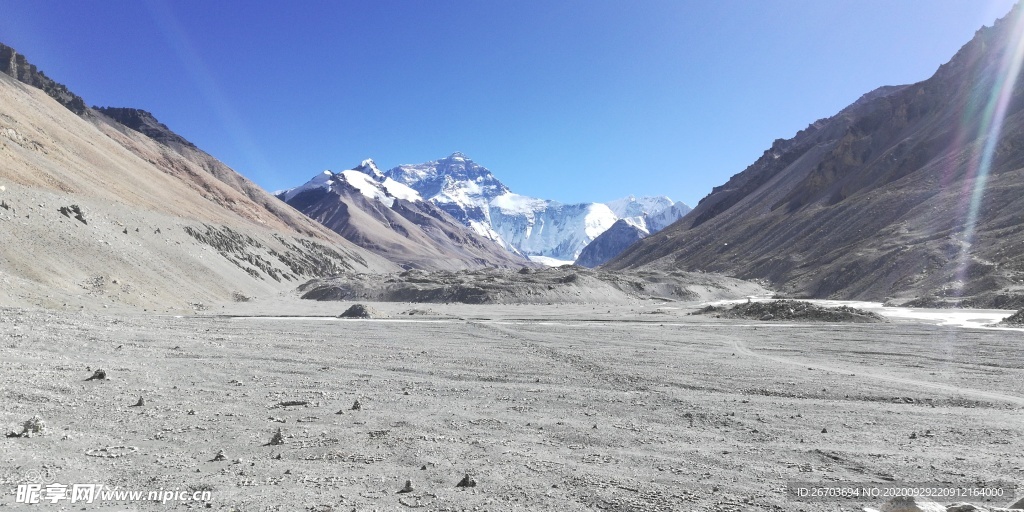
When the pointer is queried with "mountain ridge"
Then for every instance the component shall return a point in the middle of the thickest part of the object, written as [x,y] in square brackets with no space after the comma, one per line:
[873,203]
[386,217]
[539,228]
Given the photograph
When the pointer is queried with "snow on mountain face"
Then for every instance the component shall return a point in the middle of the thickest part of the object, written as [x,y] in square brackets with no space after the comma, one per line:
[323,181]
[387,217]
[660,220]
[365,178]
[543,229]
[551,229]
[456,184]
[637,207]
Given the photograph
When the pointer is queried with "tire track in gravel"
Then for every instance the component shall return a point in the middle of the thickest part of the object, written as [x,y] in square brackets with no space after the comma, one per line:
[617,380]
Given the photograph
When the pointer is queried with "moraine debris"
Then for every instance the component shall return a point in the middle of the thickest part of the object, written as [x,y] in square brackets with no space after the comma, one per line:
[359,311]
[219,457]
[356,406]
[278,439]
[407,489]
[467,481]
[141,402]
[32,426]
[98,375]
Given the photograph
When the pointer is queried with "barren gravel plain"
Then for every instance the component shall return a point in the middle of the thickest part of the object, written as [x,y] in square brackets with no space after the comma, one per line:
[545,407]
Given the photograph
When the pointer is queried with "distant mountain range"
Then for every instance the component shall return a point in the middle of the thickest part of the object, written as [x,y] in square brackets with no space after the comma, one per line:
[470,195]
[911,193]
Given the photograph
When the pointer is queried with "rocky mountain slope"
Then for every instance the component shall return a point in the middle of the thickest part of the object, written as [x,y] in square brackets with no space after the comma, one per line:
[537,228]
[390,219]
[108,207]
[910,191]
[611,243]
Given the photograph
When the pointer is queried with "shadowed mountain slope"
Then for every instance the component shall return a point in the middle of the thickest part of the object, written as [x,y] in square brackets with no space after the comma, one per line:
[894,196]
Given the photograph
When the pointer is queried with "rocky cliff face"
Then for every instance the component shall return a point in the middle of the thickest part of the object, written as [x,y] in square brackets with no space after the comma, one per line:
[144,123]
[18,67]
[895,196]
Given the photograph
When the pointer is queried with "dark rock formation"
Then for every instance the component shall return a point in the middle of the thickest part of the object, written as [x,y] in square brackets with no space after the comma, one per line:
[359,311]
[792,310]
[144,122]
[14,64]
[1017,319]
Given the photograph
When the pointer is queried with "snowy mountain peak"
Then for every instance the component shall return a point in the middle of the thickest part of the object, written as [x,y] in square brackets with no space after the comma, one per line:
[453,178]
[323,181]
[365,178]
[369,168]
[537,228]
[633,206]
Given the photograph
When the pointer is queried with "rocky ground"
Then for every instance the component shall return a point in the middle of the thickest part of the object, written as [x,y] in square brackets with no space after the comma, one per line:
[791,310]
[560,407]
[567,284]
[1015,319]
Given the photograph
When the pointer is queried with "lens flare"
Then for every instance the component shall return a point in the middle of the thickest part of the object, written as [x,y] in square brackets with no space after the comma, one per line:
[990,128]
[204,80]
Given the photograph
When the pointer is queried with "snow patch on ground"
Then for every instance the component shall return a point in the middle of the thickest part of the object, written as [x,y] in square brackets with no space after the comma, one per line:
[966,318]
[551,262]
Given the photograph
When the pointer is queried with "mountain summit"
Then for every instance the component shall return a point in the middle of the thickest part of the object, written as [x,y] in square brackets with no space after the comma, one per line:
[389,218]
[541,229]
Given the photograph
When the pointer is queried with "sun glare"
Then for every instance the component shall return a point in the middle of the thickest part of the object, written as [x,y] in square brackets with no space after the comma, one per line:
[990,127]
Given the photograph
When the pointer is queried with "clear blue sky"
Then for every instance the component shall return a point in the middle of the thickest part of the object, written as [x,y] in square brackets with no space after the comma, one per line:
[577,100]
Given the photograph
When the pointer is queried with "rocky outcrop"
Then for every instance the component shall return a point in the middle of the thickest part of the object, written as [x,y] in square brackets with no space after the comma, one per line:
[1015,320]
[15,65]
[791,310]
[144,122]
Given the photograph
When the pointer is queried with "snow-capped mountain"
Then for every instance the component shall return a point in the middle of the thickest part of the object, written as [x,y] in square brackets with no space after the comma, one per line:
[630,229]
[391,219]
[659,220]
[541,229]
[632,206]
[366,178]
[649,214]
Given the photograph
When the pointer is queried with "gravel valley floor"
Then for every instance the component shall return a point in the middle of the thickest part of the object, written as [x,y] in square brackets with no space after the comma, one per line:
[544,407]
